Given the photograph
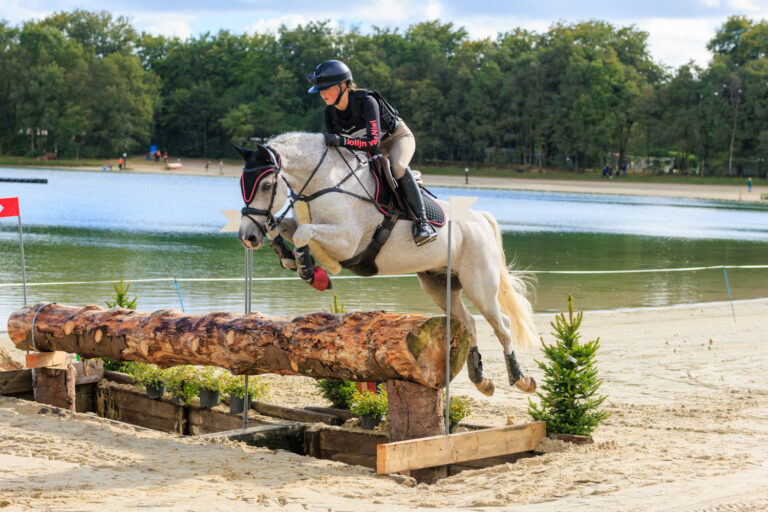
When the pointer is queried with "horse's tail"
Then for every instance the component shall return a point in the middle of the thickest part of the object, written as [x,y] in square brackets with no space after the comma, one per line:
[513,289]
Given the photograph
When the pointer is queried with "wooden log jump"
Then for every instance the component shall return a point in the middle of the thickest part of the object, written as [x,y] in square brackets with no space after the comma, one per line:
[370,346]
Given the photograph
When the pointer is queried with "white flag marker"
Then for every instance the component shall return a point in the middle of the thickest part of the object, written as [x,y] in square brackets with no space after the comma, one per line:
[233,221]
[458,210]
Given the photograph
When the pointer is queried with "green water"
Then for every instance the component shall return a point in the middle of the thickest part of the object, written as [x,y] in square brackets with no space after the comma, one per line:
[71,254]
[96,226]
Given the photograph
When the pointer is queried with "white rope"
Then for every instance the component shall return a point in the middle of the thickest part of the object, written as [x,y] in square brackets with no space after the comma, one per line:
[294,278]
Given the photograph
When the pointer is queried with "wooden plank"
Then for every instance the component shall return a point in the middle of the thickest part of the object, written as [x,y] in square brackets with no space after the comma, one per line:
[122,378]
[343,414]
[15,381]
[207,421]
[55,386]
[439,450]
[133,406]
[288,413]
[454,469]
[350,447]
[46,359]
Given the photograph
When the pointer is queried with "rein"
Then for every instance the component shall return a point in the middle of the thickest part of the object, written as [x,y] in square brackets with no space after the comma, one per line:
[271,222]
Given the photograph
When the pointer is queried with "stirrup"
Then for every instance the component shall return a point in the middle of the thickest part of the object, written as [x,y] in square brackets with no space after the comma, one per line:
[423,232]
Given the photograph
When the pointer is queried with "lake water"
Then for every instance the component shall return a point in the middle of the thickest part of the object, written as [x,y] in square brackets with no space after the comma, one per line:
[93,226]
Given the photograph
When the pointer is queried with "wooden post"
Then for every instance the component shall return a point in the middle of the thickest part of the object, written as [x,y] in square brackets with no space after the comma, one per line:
[55,386]
[416,411]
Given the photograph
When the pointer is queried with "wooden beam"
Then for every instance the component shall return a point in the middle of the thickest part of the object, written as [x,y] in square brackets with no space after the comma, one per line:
[438,450]
[46,359]
[287,413]
[13,382]
[362,346]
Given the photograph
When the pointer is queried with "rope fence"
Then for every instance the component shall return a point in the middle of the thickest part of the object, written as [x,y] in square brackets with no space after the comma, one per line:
[293,278]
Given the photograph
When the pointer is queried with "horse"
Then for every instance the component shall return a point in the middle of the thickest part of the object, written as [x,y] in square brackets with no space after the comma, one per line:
[331,191]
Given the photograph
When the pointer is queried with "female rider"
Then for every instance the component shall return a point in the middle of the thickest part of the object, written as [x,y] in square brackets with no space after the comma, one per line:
[359,119]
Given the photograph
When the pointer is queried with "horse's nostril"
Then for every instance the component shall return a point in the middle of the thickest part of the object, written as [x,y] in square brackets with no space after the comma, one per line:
[252,239]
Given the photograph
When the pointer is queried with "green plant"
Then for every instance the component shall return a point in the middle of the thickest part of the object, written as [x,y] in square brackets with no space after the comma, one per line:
[370,404]
[339,392]
[181,383]
[234,386]
[209,377]
[121,300]
[335,308]
[120,297]
[147,375]
[569,404]
[458,410]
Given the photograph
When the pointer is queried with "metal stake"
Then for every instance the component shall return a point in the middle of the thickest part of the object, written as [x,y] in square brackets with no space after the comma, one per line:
[248,283]
[448,336]
[23,265]
[733,311]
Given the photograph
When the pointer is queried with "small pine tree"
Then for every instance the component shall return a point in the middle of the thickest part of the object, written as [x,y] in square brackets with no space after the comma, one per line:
[120,297]
[569,404]
[120,300]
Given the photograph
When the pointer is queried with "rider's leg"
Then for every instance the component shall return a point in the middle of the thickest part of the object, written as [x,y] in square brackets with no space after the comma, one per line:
[422,230]
[400,146]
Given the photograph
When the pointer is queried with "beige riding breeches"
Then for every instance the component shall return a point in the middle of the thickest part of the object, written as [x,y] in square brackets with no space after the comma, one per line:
[399,146]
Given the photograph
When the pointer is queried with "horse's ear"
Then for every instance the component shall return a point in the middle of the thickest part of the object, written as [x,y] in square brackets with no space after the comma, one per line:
[265,153]
[243,152]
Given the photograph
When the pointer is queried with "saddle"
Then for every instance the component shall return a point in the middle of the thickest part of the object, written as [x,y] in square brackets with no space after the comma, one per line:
[393,206]
[388,197]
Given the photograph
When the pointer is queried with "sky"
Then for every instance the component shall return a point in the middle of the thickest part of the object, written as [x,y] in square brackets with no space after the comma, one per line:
[678,29]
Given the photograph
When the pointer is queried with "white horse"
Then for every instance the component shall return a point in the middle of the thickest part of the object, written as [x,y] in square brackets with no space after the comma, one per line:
[342,226]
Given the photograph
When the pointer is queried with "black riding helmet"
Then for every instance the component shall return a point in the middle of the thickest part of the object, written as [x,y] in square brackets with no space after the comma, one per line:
[328,74]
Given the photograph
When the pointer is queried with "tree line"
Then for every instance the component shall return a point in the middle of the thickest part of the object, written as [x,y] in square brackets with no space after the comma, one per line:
[577,96]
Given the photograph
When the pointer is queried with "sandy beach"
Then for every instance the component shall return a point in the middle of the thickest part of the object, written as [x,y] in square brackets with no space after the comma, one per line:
[688,430]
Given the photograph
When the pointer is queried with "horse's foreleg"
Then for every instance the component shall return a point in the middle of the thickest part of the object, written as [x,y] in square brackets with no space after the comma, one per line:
[341,240]
[434,286]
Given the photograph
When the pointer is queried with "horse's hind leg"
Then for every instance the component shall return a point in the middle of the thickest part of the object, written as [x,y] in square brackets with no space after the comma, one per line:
[434,286]
[482,289]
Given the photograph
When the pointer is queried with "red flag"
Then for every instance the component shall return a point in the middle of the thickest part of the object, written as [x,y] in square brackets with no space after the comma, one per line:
[9,207]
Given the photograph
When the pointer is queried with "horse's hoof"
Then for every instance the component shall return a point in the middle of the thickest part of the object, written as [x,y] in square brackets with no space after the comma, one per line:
[526,384]
[486,387]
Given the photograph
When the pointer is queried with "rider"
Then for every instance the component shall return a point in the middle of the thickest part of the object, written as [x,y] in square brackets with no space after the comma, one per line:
[360,119]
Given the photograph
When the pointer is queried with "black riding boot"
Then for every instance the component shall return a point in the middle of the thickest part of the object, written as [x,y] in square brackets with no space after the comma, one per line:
[423,231]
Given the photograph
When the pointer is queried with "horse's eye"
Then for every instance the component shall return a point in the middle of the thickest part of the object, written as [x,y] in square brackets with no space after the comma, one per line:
[266,186]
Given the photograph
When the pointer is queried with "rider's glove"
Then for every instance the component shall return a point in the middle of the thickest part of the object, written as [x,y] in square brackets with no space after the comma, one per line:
[332,139]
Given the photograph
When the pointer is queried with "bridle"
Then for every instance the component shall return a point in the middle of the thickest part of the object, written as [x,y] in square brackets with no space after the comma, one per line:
[274,167]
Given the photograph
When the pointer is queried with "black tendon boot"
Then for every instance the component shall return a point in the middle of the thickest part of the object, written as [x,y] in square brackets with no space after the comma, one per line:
[422,230]
[516,377]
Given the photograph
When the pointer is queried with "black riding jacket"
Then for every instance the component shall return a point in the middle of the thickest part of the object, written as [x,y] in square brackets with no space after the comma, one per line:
[362,113]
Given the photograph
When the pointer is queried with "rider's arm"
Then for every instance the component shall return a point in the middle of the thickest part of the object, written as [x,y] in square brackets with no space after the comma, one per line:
[370,142]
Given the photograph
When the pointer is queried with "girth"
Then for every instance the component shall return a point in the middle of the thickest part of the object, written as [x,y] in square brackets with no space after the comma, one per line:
[364,264]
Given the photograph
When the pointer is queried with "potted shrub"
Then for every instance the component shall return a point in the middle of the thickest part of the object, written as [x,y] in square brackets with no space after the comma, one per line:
[339,392]
[151,377]
[371,407]
[209,383]
[182,384]
[234,386]
[458,410]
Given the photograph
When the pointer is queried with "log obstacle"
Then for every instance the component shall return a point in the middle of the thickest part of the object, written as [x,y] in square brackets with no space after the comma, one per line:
[368,346]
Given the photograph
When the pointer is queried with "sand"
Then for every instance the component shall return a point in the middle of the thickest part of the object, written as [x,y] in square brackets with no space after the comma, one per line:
[687,393]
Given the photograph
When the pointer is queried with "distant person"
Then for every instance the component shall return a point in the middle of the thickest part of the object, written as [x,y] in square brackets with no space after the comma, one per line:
[207,163]
[221,167]
[120,163]
[157,155]
[749,184]
[605,171]
[624,170]
[109,164]
[165,157]
[149,157]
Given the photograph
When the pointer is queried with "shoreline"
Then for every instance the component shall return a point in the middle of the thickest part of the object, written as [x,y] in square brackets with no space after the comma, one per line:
[731,193]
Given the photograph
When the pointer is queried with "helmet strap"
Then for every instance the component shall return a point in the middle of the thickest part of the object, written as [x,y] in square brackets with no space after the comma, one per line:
[341,93]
